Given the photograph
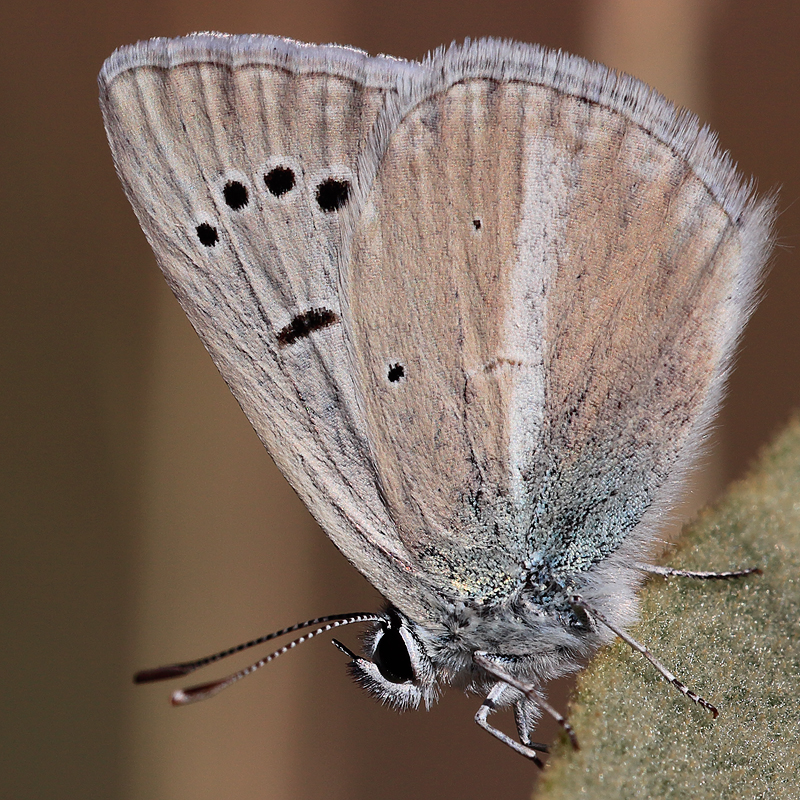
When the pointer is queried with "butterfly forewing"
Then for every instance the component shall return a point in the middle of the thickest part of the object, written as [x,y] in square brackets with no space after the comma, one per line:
[239,157]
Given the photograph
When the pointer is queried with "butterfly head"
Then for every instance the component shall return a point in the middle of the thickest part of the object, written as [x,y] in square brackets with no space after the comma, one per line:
[397,669]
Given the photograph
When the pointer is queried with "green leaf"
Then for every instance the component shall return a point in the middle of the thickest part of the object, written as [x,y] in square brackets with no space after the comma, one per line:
[736,643]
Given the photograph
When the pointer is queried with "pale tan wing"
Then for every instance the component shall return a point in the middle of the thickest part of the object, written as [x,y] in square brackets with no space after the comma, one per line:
[546,279]
[237,154]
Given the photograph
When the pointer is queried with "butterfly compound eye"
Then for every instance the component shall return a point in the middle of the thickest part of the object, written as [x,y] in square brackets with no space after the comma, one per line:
[392,659]
[396,668]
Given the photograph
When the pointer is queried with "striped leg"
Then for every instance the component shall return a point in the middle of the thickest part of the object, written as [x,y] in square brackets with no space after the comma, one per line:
[487,707]
[505,678]
[640,648]
[668,572]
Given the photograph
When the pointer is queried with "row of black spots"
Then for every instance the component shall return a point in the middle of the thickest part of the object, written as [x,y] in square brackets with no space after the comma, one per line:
[331,195]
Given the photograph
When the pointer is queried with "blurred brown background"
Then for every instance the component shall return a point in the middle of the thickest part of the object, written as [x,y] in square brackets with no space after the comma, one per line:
[142,521]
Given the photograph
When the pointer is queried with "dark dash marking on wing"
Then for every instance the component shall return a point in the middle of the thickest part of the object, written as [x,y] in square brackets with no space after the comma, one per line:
[496,363]
[307,322]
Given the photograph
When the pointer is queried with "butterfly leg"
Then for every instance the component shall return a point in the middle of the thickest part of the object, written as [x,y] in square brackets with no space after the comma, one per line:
[640,648]
[530,695]
[526,715]
[668,572]
[487,707]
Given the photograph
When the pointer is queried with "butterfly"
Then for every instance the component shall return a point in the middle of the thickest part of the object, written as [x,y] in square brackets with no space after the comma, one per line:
[479,309]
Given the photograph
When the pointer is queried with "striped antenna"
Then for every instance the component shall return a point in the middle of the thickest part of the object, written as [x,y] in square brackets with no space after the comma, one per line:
[202,691]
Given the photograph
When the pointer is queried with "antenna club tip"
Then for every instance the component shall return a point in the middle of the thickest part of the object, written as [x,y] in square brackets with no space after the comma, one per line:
[160,673]
[202,691]
[180,698]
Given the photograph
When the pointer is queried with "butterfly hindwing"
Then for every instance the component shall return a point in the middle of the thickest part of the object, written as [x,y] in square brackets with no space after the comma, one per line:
[561,262]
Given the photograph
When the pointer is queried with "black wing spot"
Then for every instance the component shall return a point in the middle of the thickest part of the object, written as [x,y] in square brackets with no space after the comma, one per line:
[279,181]
[333,194]
[477,224]
[396,372]
[304,324]
[207,234]
[236,195]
